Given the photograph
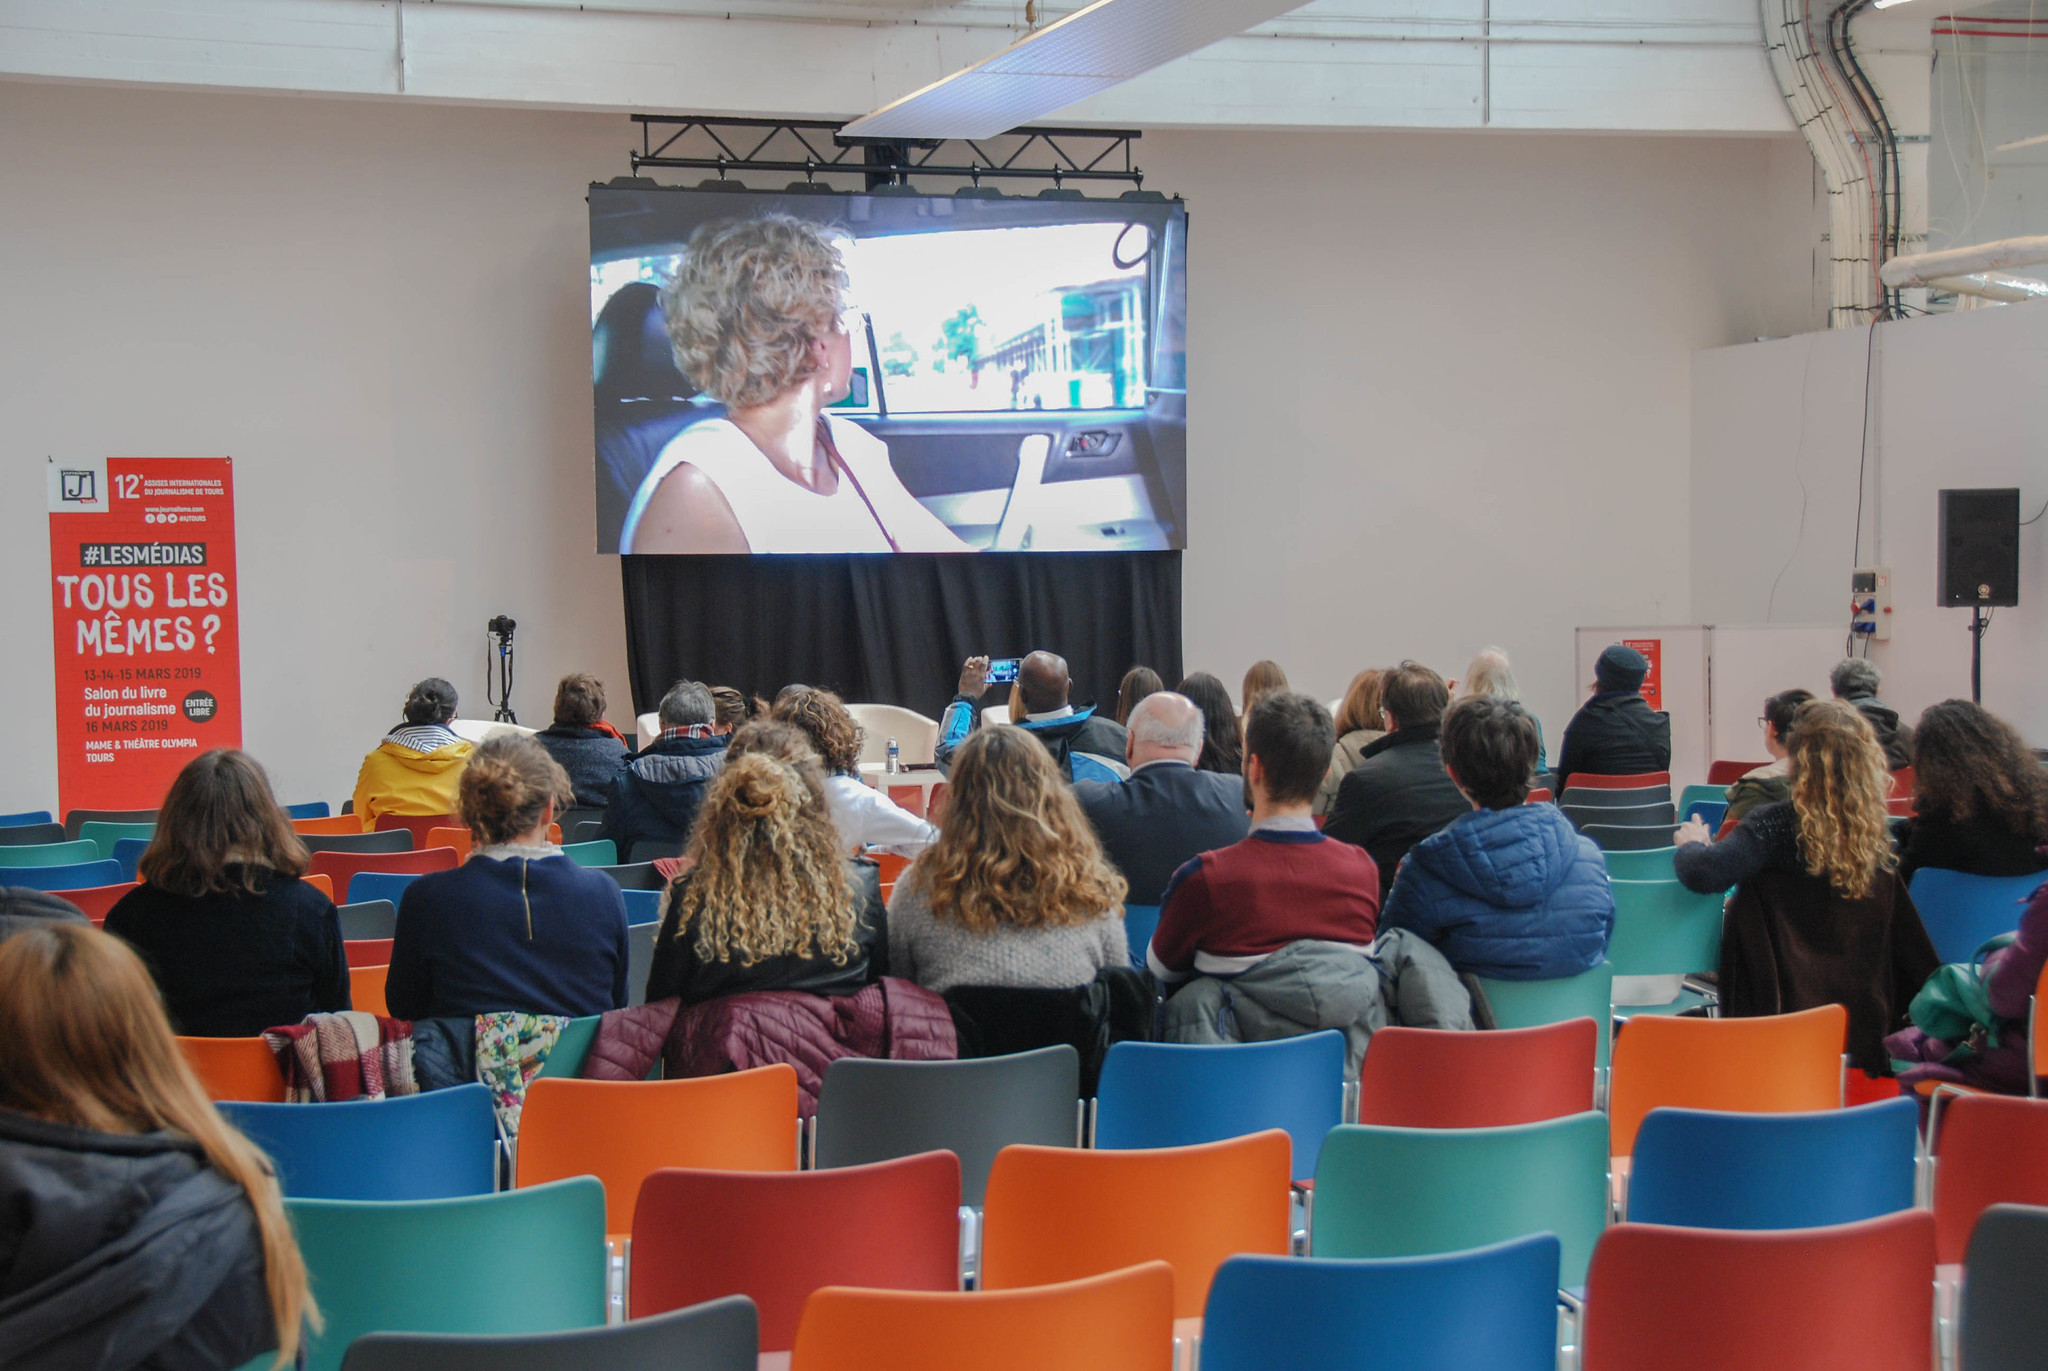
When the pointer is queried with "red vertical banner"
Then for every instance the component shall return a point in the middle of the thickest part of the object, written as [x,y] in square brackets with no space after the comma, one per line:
[1653,679]
[148,643]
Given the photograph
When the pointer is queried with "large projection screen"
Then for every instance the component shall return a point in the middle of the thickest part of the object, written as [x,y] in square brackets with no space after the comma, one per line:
[887,373]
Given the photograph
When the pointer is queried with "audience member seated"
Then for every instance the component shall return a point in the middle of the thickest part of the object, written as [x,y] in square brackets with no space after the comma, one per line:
[1819,915]
[1168,812]
[1771,782]
[768,899]
[22,909]
[1260,678]
[1490,674]
[1085,745]
[1016,892]
[1510,891]
[518,928]
[1855,681]
[416,768]
[1398,794]
[236,941]
[1229,909]
[1615,733]
[581,742]
[1223,739]
[729,709]
[1980,799]
[2001,1061]
[864,816]
[1138,682]
[1358,727]
[656,794]
[141,1230]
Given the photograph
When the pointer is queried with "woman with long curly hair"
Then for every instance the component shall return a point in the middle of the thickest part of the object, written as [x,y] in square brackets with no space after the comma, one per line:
[1980,799]
[1016,891]
[864,815]
[768,899]
[141,1230]
[1819,915]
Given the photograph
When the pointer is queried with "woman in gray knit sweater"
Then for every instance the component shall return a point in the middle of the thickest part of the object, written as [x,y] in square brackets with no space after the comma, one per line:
[1016,891]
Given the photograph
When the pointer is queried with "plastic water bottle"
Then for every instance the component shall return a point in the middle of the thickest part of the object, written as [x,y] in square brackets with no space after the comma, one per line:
[895,765]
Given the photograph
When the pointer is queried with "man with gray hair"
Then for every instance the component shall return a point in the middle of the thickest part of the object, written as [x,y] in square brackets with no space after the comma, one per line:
[658,791]
[1167,813]
[1855,681]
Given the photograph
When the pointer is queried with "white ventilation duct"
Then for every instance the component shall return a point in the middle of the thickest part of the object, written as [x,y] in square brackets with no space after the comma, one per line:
[1931,268]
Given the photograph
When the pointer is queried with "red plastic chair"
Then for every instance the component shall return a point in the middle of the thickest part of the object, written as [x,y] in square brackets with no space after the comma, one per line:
[362,952]
[910,797]
[1989,1149]
[1539,796]
[1728,773]
[935,804]
[1903,781]
[777,1236]
[1852,1297]
[1589,780]
[1430,1078]
[338,867]
[419,825]
[97,900]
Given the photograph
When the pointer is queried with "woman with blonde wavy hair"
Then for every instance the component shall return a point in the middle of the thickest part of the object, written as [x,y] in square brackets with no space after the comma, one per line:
[140,1230]
[767,899]
[757,319]
[1016,891]
[1819,914]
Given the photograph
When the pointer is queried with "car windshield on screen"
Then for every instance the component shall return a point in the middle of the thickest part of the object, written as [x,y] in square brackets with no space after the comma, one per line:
[1007,319]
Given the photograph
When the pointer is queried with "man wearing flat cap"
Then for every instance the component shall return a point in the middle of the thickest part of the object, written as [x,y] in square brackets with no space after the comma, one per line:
[1616,733]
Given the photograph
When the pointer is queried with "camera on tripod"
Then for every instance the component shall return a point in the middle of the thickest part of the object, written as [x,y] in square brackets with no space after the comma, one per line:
[500,630]
[501,626]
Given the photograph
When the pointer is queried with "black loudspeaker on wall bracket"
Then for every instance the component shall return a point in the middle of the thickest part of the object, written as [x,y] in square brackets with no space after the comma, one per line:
[1979,562]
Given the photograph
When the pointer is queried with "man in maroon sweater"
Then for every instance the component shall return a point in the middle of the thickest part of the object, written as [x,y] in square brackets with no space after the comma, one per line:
[1227,910]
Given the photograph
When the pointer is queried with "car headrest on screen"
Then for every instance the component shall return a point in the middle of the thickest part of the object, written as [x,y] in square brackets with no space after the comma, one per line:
[629,349]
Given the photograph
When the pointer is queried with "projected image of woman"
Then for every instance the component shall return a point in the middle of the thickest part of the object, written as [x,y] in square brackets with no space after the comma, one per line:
[755,315]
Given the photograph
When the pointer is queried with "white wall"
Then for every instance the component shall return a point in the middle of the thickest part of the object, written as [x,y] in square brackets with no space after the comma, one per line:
[1441,385]
[1956,402]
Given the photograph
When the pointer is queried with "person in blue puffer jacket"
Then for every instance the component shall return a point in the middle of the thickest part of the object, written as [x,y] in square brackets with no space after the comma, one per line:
[1510,891]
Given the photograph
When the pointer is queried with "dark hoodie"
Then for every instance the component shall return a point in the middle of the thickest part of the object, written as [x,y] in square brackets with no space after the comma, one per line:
[1894,738]
[657,794]
[592,758]
[22,909]
[1615,733]
[124,1251]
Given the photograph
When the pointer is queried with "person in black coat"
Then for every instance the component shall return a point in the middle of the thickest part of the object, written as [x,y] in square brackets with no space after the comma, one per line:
[1854,681]
[656,795]
[582,743]
[1980,800]
[1399,793]
[1168,812]
[1615,733]
[236,941]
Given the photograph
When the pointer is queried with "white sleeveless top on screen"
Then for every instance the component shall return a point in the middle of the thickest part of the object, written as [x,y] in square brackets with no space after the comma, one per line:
[775,513]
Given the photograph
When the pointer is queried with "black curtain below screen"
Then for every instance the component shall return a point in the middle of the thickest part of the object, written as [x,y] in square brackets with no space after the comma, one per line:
[894,629]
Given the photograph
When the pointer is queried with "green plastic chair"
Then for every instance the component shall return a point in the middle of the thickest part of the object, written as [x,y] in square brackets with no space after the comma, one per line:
[51,854]
[1414,1192]
[1662,930]
[104,835]
[1652,864]
[597,852]
[572,1045]
[1532,1004]
[440,1266]
[1712,793]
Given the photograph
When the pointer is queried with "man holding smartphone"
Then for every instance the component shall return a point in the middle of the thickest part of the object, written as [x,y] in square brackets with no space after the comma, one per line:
[1087,746]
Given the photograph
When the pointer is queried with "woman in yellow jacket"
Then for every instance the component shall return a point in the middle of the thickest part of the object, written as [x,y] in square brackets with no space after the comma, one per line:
[417,767]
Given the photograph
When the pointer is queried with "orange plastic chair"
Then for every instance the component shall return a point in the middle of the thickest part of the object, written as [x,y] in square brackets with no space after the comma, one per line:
[362,952]
[323,884]
[235,1068]
[1060,1213]
[893,866]
[910,797]
[622,1131]
[330,826]
[458,838]
[419,825]
[1433,1078]
[1852,1296]
[1119,1321]
[1592,780]
[1772,1063]
[776,1236]
[366,989]
[1989,1149]
[95,901]
[338,867]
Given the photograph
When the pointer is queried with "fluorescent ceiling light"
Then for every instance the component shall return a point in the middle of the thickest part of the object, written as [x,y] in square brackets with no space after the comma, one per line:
[1885,4]
[2019,143]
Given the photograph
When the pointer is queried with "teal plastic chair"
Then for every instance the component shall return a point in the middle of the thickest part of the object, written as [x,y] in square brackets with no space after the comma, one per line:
[312,809]
[1652,864]
[1531,1004]
[26,816]
[1140,921]
[597,852]
[1413,1192]
[1665,931]
[50,854]
[128,852]
[104,835]
[365,886]
[1961,911]
[523,1261]
[1693,794]
[572,1045]
[82,875]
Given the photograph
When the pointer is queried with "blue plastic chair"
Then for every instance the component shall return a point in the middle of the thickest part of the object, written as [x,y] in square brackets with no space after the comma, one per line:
[1177,1094]
[77,876]
[312,809]
[642,906]
[1708,812]
[597,852]
[1703,1168]
[1492,1307]
[26,816]
[1140,922]
[50,854]
[435,1146]
[1962,912]
[128,852]
[365,886]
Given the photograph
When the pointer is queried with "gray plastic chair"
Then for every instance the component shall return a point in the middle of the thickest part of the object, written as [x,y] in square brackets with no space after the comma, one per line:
[584,831]
[639,960]
[1590,797]
[871,1111]
[369,919]
[2005,1270]
[652,849]
[20,835]
[719,1335]
[385,840]
[77,818]
[1616,838]
[1629,816]
[635,876]
[578,814]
